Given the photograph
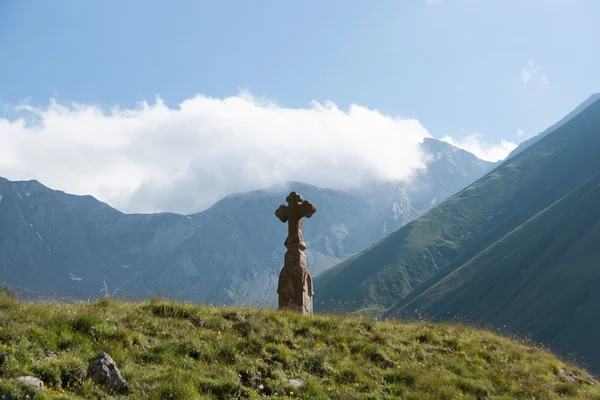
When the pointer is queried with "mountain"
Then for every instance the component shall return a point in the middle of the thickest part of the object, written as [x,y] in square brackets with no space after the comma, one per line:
[543,277]
[449,169]
[54,242]
[377,278]
[590,100]
[516,249]
[57,245]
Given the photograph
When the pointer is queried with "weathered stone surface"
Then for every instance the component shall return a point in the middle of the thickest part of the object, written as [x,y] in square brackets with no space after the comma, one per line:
[104,371]
[297,383]
[35,383]
[571,376]
[567,376]
[295,287]
[50,355]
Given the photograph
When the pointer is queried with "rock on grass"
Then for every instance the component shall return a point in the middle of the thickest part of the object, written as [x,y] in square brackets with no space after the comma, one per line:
[35,383]
[104,371]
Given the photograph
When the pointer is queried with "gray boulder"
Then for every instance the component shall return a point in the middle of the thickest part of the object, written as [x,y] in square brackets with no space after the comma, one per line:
[104,371]
[35,383]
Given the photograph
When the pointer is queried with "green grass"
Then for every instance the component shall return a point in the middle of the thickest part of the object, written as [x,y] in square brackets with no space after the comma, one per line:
[180,351]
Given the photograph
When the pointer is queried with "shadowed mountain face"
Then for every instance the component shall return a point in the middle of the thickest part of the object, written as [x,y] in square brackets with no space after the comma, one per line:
[518,249]
[55,244]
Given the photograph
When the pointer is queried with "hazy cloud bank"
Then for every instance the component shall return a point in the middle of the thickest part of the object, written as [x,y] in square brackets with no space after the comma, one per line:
[475,144]
[156,158]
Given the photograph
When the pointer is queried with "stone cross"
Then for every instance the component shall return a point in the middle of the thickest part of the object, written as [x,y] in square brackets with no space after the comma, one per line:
[295,288]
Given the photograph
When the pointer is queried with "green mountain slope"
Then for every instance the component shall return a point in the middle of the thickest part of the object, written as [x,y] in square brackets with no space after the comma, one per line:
[438,242]
[178,351]
[543,278]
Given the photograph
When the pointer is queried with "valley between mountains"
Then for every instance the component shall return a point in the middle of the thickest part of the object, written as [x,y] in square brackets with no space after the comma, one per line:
[55,245]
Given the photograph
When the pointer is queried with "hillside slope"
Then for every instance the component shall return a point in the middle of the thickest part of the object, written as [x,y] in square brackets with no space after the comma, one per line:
[176,351]
[450,234]
[542,278]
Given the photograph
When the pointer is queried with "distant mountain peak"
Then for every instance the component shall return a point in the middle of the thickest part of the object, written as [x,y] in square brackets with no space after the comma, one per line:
[230,253]
[438,148]
[433,143]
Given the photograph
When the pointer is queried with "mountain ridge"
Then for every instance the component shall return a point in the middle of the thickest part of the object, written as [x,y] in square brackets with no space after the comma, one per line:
[230,253]
[411,256]
[473,256]
[527,143]
[554,249]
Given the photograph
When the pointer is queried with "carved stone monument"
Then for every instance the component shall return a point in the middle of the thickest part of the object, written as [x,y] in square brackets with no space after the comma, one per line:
[295,287]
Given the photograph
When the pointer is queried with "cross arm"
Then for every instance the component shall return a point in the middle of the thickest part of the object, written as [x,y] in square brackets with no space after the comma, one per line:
[282,213]
[307,209]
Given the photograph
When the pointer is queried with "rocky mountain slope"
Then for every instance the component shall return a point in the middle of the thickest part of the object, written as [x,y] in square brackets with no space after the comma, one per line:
[517,249]
[55,244]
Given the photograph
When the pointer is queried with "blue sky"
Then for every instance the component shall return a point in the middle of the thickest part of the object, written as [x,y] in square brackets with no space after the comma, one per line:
[454,65]
[457,66]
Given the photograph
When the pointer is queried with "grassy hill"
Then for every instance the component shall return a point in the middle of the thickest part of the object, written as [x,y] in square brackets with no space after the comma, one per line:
[542,278]
[180,351]
[408,261]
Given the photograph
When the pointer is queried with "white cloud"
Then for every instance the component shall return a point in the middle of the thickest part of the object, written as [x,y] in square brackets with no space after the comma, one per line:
[530,71]
[522,136]
[156,158]
[483,150]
